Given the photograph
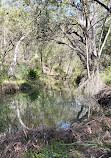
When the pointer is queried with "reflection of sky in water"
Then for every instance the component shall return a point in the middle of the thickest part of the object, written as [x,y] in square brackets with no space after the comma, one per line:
[62,124]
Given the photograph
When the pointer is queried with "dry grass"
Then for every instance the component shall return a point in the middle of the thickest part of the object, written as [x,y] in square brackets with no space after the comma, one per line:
[91,86]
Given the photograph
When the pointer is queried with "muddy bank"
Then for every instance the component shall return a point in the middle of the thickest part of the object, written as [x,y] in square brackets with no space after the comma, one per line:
[94,129]
[12,88]
[9,88]
[104,97]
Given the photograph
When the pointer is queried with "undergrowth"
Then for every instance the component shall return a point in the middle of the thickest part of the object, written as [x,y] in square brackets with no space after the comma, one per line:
[107,75]
[54,150]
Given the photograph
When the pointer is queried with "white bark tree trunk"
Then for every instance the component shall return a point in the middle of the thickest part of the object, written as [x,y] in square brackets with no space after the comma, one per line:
[16,52]
[87,54]
[20,120]
[100,51]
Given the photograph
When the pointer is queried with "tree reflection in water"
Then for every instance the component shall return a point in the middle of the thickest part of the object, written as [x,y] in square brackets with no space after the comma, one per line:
[39,110]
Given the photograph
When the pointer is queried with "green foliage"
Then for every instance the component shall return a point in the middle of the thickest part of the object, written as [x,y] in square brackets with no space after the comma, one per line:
[59,70]
[25,87]
[108,70]
[27,2]
[107,75]
[37,63]
[21,71]
[54,150]
[108,80]
[3,76]
[51,151]
[4,112]
[55,66]
[107,46]
[33,73]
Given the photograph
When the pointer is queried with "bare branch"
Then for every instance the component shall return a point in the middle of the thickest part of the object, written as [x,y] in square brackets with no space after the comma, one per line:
[103,5]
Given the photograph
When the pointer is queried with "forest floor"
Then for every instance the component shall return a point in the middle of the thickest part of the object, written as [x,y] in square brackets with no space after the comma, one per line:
[89,139]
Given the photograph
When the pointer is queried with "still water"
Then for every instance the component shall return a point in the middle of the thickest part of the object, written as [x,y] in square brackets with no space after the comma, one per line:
[39,109]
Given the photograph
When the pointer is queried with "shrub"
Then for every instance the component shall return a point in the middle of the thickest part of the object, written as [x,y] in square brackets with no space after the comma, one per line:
[107,75]
[32,73]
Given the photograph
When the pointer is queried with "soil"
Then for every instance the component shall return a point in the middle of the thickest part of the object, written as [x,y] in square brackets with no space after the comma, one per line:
[104,97]
[96,129]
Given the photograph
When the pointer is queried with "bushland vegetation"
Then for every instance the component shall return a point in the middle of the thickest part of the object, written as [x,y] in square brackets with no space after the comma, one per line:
[50,42]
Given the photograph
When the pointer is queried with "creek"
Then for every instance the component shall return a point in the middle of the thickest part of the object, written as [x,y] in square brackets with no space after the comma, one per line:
[43,108]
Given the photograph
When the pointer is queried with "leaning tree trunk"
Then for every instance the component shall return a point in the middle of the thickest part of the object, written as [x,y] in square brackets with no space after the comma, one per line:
[16,52]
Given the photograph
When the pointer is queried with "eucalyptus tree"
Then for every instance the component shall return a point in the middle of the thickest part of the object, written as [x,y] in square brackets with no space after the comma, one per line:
[13,31]
[81,25]
[76,24]
[29,22]
[22,19]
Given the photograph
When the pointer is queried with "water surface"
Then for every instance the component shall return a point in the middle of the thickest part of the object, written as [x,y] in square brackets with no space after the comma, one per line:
[39,109]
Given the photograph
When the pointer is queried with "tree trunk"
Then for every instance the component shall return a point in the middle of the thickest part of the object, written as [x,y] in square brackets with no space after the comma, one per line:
[41,60]
[16,52]
[87,54]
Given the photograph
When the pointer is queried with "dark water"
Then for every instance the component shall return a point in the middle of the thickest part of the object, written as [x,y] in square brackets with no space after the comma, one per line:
[39,109]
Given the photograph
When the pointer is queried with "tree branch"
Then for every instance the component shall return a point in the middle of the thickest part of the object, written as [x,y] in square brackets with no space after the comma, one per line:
[103,5]
[99,53]
[82,40]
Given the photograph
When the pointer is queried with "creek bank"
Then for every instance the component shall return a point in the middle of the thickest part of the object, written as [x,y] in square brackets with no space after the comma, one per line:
[9,88]
[12,88]
[104,97]
[93,129]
